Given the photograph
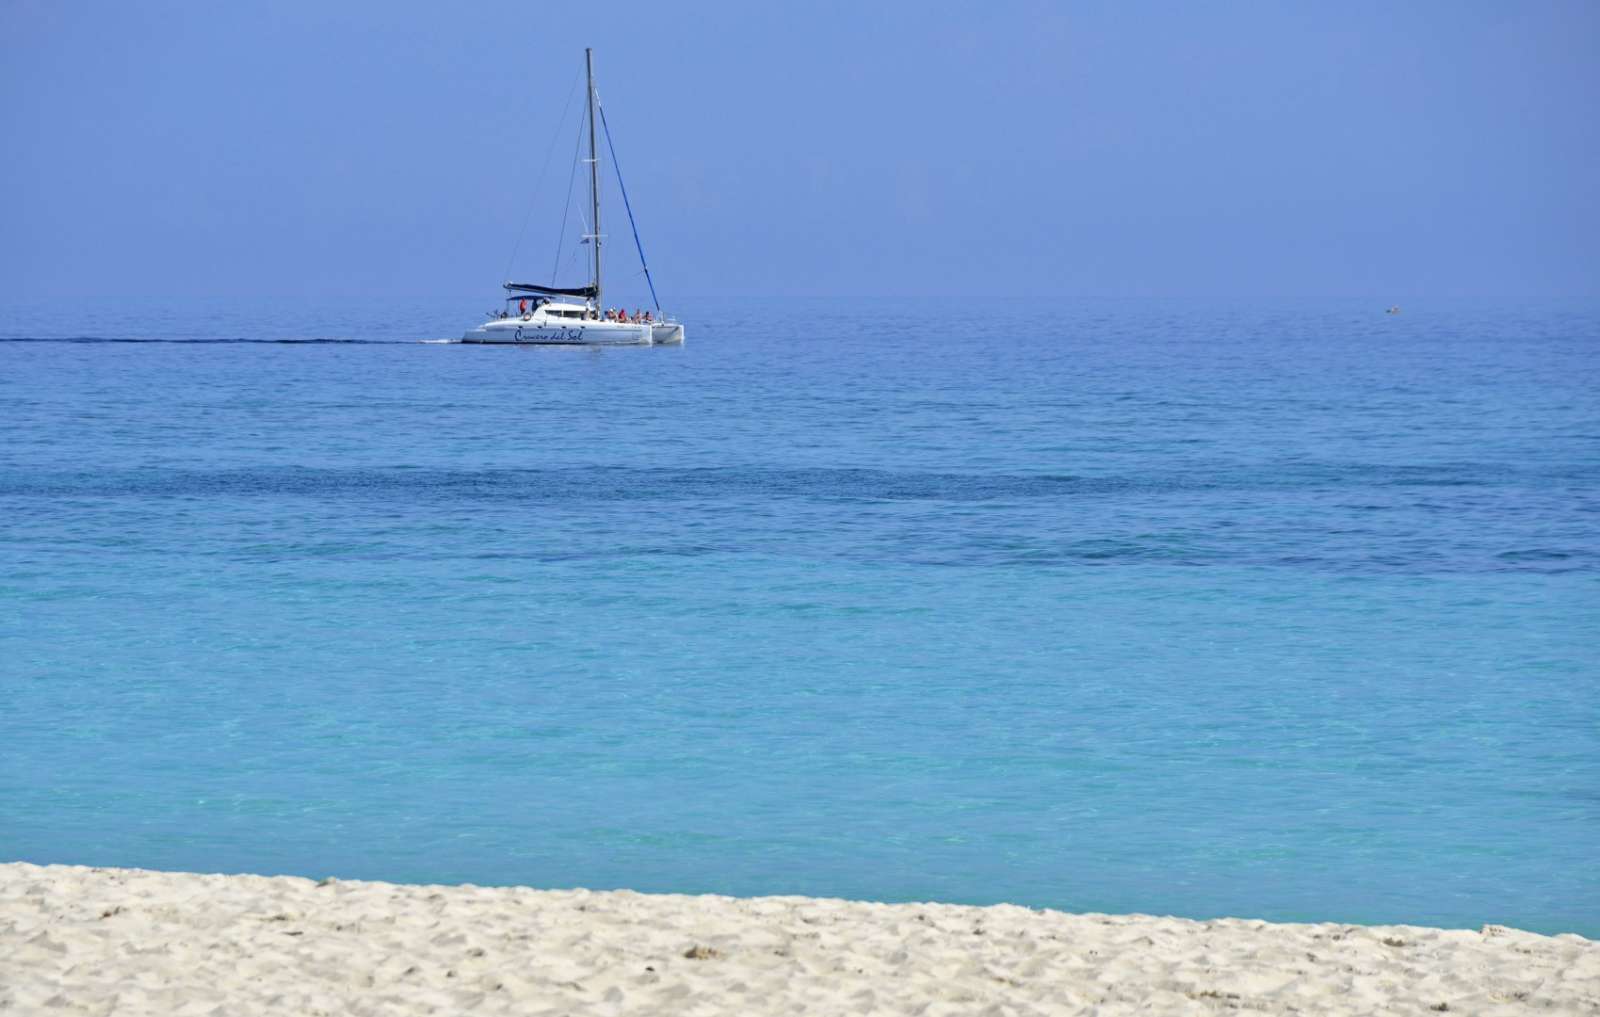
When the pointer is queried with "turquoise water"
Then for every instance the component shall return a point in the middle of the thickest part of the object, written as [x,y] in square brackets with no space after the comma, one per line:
[1288,613]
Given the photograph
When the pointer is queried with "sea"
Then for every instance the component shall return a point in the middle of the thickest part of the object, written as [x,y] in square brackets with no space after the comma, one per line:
[1285,610]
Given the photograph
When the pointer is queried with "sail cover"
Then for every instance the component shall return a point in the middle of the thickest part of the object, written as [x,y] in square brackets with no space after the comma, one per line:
[553,291]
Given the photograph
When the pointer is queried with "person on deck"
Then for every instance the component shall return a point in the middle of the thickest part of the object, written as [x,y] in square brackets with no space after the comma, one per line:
[622,315]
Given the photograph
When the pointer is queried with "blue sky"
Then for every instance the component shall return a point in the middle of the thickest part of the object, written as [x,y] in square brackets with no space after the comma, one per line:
[1046,150]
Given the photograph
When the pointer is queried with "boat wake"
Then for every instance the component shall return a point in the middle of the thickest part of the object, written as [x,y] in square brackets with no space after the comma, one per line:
[90,339]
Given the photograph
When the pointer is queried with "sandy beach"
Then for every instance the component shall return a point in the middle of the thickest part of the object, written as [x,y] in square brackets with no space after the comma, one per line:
[102,941]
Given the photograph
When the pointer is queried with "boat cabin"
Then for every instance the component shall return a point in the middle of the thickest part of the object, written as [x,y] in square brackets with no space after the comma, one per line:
[526,307]
[552,309]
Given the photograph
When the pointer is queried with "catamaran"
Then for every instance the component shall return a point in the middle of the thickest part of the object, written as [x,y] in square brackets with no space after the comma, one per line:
[574,315]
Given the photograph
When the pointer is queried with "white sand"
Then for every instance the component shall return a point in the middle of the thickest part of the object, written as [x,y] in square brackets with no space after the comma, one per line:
[125,941]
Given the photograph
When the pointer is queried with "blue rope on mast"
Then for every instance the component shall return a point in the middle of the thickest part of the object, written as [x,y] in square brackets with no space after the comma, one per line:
[627,205]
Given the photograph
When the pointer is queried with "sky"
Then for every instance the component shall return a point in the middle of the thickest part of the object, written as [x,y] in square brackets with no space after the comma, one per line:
[1024,150]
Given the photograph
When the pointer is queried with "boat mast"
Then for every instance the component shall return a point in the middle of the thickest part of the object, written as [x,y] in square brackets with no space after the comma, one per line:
[594,183]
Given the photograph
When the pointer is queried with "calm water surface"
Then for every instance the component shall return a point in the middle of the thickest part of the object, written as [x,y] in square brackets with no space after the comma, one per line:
[1289,613]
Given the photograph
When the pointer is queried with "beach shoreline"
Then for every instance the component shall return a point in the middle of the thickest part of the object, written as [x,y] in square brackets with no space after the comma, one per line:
[75,939]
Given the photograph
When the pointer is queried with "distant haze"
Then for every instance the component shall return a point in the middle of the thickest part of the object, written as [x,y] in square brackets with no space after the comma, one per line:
[1043,150]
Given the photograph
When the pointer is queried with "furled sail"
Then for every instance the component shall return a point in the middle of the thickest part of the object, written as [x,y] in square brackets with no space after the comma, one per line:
[587,292]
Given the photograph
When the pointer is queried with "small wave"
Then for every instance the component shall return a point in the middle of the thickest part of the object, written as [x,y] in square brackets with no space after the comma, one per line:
[1535,554]
[566,484]
[862,486]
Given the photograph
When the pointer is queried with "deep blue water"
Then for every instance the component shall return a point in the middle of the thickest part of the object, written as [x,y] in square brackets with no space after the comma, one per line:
[1289,612]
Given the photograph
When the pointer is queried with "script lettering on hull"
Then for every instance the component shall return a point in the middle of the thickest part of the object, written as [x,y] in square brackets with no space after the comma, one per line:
[549,335]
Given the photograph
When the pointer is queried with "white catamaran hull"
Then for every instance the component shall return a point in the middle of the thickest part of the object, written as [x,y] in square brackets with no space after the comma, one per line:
[668,334]
[587,333]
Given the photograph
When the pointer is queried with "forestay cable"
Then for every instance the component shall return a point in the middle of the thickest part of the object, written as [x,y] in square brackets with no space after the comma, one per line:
[625,203]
